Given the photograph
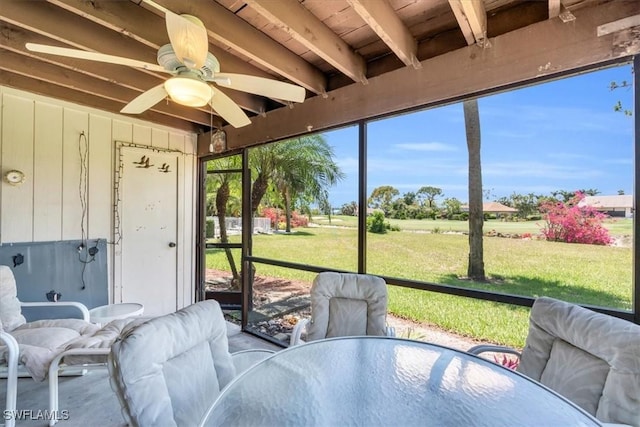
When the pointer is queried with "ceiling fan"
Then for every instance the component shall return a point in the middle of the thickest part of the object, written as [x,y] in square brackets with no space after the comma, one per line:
[193,71]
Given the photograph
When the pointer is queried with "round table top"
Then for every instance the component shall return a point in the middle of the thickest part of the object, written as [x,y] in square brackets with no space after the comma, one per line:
[107,313]
[370,381]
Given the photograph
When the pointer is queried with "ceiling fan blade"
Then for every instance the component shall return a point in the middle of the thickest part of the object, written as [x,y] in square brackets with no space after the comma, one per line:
[92,56]
[261,86]
[188,38]
[145,100]
[229,110]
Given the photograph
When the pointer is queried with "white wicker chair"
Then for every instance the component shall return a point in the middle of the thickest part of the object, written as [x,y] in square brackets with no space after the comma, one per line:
[590,358]
[44,348]
[345,304]
[168,370]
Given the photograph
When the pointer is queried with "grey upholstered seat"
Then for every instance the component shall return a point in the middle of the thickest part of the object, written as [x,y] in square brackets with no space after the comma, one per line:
[168,370]
[590,358]
[345,304]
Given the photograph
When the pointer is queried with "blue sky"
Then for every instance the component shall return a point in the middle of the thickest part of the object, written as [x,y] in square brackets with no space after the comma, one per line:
[560,135]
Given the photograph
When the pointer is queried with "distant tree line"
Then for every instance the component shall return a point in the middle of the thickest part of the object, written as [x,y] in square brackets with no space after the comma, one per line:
[430,202]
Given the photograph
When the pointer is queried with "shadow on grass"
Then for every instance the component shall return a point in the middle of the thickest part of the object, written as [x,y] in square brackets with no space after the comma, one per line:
[536,287]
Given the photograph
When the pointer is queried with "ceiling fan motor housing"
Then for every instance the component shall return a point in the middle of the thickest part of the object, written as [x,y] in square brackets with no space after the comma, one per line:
[168,59]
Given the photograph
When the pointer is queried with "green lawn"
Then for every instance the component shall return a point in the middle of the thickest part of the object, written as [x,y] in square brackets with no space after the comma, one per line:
[598,275]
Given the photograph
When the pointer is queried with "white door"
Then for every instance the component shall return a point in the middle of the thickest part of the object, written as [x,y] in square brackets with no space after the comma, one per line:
[148,223]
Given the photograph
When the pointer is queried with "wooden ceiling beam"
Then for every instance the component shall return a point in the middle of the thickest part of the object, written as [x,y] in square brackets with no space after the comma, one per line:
[380,16]
[25,83]
[125,17]
[49,20]
[227,28]
[517,57]
[293,18]
[13,39]
[73,80]
[472,19]
[501,22]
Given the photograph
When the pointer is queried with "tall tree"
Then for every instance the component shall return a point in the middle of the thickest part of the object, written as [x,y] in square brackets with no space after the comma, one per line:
[263,161]
[350,208]
[306,170]
[381,198]
[299,168]
[475,270]
[223,183]
[566,195]
[429,193]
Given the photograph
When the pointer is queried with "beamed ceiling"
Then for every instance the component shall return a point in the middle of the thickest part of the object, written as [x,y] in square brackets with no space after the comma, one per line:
[373,56]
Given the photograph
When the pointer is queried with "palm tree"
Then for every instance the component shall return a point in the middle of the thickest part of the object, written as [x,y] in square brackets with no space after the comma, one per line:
[263,162]
[299,168]
[223,183]
[475,270]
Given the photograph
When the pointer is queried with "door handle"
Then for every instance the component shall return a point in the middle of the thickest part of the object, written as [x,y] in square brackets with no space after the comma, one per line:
[172,245]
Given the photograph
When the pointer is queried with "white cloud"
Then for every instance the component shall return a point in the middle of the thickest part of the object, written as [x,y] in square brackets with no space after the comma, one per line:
[348,165]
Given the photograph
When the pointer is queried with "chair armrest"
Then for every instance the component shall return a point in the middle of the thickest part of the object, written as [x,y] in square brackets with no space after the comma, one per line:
[486,348]
[12,347]
[297,332]
[12,377]
[81,307]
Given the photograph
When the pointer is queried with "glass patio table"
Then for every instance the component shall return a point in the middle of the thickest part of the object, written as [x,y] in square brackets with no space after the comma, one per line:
[370,381]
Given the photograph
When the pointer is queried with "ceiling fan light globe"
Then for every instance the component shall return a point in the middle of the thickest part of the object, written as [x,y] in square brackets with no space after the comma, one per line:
[187,91]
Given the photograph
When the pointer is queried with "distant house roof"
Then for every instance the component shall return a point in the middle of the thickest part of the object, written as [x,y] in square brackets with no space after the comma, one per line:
[492,207]
[608,202]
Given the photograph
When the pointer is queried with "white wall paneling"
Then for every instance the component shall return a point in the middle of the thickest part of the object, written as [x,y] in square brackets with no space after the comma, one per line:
[160,139]
[141,134]
[47,174]
[75,128]
[42,137]
[100,195]
[17,153]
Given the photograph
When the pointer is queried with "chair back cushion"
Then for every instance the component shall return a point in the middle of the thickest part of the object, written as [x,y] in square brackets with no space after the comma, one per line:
[590,358]
[10,312]
[345,304]
[167,371]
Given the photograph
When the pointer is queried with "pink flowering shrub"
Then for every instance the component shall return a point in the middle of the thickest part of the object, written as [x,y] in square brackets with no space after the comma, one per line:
[571,223]
[277,216]
[507,362]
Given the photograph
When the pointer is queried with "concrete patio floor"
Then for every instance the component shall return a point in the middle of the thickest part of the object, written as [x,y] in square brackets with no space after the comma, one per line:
[89,400]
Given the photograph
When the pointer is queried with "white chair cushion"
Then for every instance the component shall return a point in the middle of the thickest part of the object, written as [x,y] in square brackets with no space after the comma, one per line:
[42,340]
[347,317]
[583,375]
[168,370]
[590,358]
[10,311]
[332,315]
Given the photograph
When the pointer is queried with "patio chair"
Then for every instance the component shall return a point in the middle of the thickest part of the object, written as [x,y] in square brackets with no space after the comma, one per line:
[169,370]
[44,348]
[345,304]
[590,358]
